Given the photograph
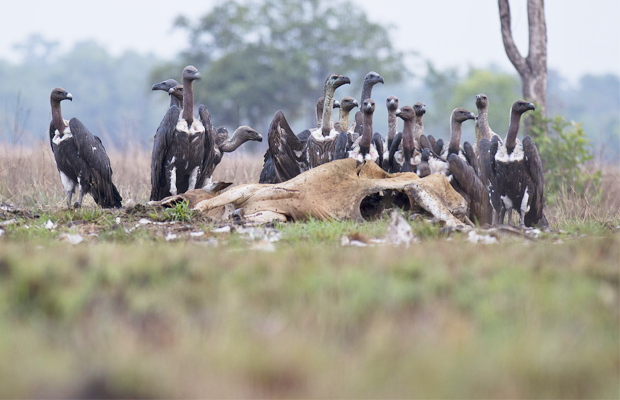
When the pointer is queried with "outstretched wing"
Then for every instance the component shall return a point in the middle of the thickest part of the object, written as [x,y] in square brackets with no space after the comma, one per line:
[91,150]
[534,168]
[163,140]
[212,156]
[288,153]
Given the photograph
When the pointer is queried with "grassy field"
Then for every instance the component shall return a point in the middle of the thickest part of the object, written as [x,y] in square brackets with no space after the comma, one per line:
[162,304]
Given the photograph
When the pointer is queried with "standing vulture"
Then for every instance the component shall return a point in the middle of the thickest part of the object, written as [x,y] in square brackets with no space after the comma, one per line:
[179,148]
[518,170]
[80,157]
[368,146]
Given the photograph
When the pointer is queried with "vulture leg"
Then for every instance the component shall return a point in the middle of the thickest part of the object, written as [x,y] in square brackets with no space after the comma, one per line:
[69,196]
[80,197]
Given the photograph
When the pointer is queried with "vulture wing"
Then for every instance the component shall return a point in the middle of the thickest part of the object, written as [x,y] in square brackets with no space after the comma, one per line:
[163,140]
[99,173]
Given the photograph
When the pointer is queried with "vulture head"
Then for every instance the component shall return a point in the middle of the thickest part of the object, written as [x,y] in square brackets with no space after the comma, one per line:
[165,85]
[246,133]
[373,78]
[392,103]
[348,103]
[482,102]
[335,81]
[522,106]
[368,107]
[406,113]
[176,91]
[191,73]
[419,108]
[460,114]
[59,94]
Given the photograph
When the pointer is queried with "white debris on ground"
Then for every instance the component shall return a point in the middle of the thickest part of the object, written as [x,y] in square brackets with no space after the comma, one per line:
[268,234]
[196,234]
[50,225]
[171,236]
[475,237]
[399,231]
[73,238]
[263,245]
[223,229]
[9,222]
[144,221]
[118,220]
[1,232]
[348,241]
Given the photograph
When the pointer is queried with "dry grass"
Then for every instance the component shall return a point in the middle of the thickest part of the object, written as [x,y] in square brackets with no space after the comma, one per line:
[28,175]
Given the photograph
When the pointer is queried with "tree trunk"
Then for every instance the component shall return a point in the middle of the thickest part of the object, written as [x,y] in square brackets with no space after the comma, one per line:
[533,68]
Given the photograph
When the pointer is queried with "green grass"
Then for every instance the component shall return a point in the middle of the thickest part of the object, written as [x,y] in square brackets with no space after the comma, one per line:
[127,314]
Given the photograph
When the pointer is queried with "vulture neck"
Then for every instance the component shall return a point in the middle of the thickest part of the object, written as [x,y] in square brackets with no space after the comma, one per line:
[483,125]
[57,119]
[392,125]
[188,101]
[513,130]
[175,102]
[455,137]
[328,105]
[367,134]
[366,91]
[344,119]
[419,126]
[319,111]
[232,143]
[408,136]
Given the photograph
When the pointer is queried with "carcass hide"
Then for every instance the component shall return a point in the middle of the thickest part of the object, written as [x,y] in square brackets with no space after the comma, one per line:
[336,190]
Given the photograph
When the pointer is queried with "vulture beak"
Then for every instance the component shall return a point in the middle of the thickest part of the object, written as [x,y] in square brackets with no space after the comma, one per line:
[346,79]
[355,103]
[197,75]
[471,115]
[423,108]
[381,79]
[336,104]
[477,97]
[531,106]
[259,137]
[398,112]
[157,86]
[69,96]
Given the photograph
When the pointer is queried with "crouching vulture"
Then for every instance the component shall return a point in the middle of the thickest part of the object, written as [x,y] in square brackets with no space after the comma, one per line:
[80,158]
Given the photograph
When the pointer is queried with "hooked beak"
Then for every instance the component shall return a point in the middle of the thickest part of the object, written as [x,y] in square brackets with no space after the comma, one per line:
[531,106]
[398,112]
[69,96]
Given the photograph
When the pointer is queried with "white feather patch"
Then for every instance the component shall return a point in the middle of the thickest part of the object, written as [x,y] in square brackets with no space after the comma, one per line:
[516,155]
[173,181]
[192,178]
[524,206]
[67,183]
[194,129]
[66,134]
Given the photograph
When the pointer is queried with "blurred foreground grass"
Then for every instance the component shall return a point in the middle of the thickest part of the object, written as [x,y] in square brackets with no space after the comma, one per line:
[519,319]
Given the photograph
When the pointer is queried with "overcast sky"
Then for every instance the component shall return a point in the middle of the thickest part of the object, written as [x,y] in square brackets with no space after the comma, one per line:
[583,37]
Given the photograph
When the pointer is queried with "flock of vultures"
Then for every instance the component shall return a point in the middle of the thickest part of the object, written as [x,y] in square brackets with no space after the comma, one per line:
[494,175]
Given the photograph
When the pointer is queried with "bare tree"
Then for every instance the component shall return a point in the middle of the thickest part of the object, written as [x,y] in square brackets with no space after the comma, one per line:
[533,68]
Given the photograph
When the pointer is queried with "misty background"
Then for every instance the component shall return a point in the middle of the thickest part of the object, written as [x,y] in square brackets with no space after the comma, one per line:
[256,60]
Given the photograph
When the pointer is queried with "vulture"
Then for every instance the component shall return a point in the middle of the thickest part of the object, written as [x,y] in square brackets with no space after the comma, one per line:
[347,135]
[401,154]
[368,146]
[518,171]
[321,143]
[483,131]
[392,105]
[178,156]
[370,80]
[80,158]
[166,86]
[289,163]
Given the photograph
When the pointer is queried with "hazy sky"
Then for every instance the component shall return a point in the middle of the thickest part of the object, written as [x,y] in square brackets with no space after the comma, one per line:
[583,37]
